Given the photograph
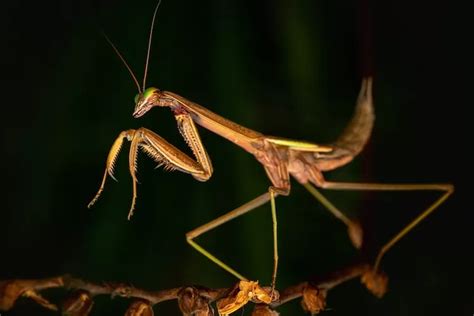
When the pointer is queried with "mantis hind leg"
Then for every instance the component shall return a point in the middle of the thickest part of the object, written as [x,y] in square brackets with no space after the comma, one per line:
[354,230]
[447,190]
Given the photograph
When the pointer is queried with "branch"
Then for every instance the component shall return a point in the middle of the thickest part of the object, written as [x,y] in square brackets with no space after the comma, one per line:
[192,300]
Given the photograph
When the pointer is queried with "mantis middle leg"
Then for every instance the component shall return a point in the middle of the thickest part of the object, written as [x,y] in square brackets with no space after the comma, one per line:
[253,204]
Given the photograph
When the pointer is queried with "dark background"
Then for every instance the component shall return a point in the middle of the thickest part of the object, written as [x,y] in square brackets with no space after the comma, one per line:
[286,68]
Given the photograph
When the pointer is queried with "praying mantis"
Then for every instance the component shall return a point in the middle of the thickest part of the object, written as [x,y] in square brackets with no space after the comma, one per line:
[280,157]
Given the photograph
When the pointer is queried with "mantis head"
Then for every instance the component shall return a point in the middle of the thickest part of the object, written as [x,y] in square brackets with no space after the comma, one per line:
[145,100]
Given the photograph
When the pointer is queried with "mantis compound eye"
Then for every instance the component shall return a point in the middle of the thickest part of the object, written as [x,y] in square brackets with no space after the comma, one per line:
[149,92]
[137,97]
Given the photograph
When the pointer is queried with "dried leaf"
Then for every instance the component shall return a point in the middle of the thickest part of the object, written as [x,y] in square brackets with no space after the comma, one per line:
[206,311]
[78,304]
[376,282]
[139,308]
[264,310]
[314,299]
[9,292]
[35,296]
[240,295]
[191,302]
[264,295]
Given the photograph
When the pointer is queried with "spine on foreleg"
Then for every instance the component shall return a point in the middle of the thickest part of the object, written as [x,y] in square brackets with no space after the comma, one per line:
[357,132]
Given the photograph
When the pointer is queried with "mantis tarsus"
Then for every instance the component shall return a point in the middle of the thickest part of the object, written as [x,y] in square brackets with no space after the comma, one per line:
[280,157]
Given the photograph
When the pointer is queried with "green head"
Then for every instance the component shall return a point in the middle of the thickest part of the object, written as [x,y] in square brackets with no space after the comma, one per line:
[145,100]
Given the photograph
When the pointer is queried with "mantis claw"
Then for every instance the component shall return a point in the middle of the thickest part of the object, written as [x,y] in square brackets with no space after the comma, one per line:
[159,150]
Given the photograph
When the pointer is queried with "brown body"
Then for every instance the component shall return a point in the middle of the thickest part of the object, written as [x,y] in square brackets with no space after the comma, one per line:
[281,157]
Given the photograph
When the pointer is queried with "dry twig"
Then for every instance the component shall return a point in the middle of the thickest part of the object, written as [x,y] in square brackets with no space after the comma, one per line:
[192,300]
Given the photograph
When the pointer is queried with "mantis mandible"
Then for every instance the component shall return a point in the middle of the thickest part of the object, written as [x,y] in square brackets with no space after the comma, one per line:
[280,157]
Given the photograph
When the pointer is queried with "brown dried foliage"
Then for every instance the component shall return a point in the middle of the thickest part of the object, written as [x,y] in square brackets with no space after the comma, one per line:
[192,300]
[314,299]
[78,304]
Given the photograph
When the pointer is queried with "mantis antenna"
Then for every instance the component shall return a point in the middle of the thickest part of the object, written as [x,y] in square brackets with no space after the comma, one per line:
[124,62]
[149,44]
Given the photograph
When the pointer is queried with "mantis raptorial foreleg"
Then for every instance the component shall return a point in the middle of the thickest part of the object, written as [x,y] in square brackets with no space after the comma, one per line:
[448,189]
[253,204]
[162,152]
